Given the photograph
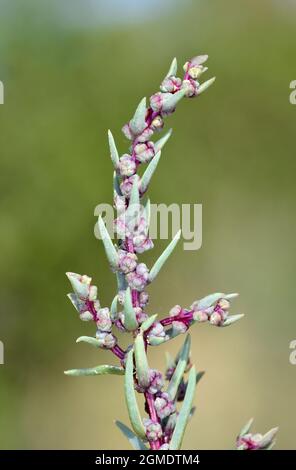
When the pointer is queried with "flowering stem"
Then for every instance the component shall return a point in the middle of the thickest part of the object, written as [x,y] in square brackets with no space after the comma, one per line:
[118,351]
[153,416]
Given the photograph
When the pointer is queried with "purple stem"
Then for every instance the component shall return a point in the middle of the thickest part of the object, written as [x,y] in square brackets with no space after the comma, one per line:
[153,416]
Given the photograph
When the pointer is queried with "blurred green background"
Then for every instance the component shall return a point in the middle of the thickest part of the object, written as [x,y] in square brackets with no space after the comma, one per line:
[73,69]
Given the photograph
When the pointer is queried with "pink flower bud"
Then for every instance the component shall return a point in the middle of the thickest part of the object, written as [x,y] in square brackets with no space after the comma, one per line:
[200,316]
[107,340]
[191,87]
[143,299]
[157,123]
[104,322]
[156,381]
[171,84]
[127,184]
[164,405]
[176,310]
[144,152]
[139,278]
[127,166]
[153,430]
[127,261]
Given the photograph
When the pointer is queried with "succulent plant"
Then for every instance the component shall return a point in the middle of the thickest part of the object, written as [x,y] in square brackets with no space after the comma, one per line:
[165,421]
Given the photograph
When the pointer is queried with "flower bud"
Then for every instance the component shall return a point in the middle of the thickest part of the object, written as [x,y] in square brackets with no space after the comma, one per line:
[141,316]
[164,405]
[107,340]
[127,261]
[171,84]
[127,184]
[156,381]
[176,310]
[153,430]
[104,322]
[179,328]
[86,316]
[82,287]
[191,88]
[157,123]
[119,203]
[127,165]
[216,319]
[139,278]
[157,332]
[146,135]
[143,299]
[144,152]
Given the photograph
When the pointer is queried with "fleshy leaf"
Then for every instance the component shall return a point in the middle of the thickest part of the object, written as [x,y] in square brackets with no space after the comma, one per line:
[204,86]
[116,184]
[113,308]
[130,320]
[134,440]
[146,178]
[163,257]
[138,122]
[113,150]
[232,319]
[173,69]
[142,366]
[161,142]
[180,369]
[185,411]
[90,340]
[130,397]
[110,250]
[121,281]
[148,323]
[98,370]
[172,99]
[246,428]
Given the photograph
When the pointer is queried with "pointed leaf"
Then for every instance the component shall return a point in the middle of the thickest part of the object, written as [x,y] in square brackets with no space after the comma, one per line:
[268,438]
[130,397]
[232,319]
[121,281]
[90,340]
[171,100]
[180,369]
[146,178]
[130,320]
[173,69]
[184,414]
[138,122]
[134,440]
[148,323]
[204,86]
[113,150]
[98,370]
[108,245]
[113,308]
[199,376]
[142,367]
[246,428]
[163,257]
[170,363]
[161,142]
[116,184]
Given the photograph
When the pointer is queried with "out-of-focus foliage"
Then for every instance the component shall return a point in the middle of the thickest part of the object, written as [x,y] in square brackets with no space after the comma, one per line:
[233,151]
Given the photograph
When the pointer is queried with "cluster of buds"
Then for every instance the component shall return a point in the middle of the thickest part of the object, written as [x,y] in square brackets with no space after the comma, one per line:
[164,428]
[88,306]
[249,441]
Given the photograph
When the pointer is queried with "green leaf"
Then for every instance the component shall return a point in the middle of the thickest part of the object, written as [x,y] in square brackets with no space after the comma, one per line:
[113,308]
[138,122]
[246,428]
[204,86]
[98,370]
[180,369]
[171,100]
[136,443]
[90,340]
[146,178]
[233,319]
[163,257]
[113,150]
[116,184]
[161,142]
[110,250]
[199,376]
[130,397]
[148,323]
[173,69]
[185,411]
[121,281]
[142,367]
[130,320]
